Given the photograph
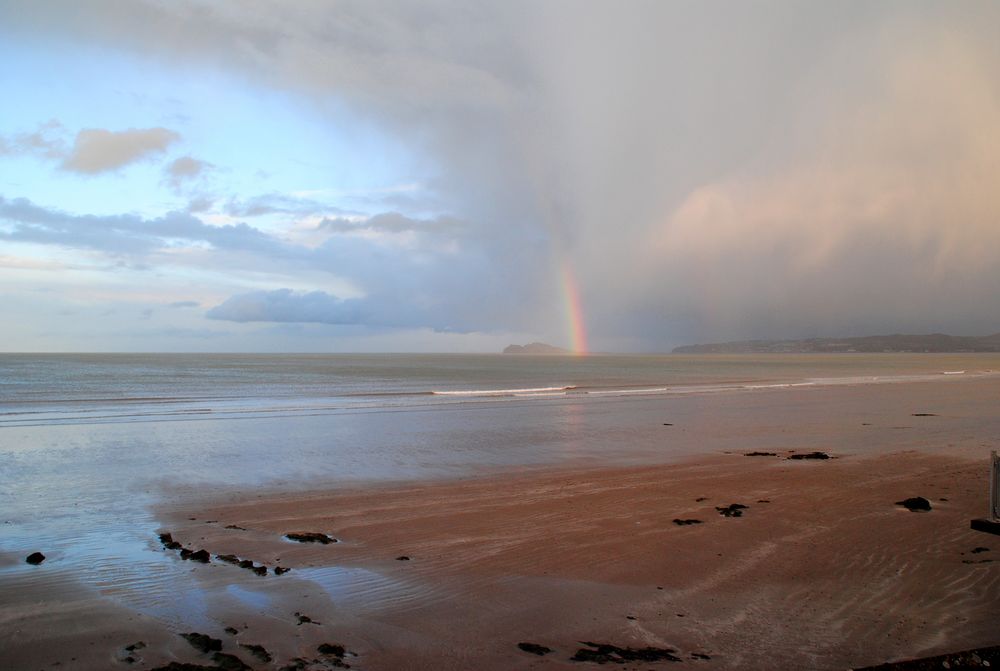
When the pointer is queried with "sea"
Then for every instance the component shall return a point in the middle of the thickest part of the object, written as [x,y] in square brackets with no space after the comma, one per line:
[90,443]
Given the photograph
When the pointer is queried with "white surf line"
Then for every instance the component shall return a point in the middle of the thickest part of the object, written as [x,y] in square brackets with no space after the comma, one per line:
[501,392]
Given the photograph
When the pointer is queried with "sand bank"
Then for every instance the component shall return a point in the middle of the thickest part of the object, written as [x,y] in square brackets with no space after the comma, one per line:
[821,570]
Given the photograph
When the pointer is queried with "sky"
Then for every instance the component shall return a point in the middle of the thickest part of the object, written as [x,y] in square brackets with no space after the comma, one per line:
[336,176]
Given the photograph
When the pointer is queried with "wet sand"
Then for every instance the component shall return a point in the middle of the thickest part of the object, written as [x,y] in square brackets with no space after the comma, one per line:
[822,570]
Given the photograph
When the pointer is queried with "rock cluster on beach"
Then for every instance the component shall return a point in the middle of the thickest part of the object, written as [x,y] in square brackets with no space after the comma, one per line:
[732,510]
[203,556]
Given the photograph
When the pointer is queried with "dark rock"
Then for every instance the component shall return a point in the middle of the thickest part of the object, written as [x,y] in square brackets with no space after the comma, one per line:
[305,619]
[229,559]
[232,631]
[602,653]
[278,570]
[260,570]
[681,523]
[138,645]
[233,526]
[402,558]
[185,553]
[976,551]
[200,555]
[168,542]
[760,454]
[35,558]
[246,563]
[915,504]
[810,455]
[534,648]
[202,642]
[923,414]
[732,510]
[228,662]
[699,655]
[258,651]
[700,499]
[333,655]
[332,649]
[763,500]
[310,537]
[667,424]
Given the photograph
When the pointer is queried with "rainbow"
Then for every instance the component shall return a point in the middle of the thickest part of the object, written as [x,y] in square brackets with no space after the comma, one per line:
[574,311]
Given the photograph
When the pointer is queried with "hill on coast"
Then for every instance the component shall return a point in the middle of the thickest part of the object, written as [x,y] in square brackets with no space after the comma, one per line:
[934,342]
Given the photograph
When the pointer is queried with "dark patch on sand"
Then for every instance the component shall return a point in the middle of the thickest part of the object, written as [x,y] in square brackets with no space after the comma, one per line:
[310,537]
[228,662]
[603,653]
[810,455]
[534,648]
[258,651]
[202,642]
[967,659]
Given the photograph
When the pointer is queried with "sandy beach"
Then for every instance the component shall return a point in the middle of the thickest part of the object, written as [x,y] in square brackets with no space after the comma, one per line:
[821,570]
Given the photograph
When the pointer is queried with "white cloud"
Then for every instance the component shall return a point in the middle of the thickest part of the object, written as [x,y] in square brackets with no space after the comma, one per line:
[97,150]
[183,170]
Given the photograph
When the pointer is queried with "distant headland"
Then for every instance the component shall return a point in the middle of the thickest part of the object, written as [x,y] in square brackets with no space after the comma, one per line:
[934,342]
[535,348]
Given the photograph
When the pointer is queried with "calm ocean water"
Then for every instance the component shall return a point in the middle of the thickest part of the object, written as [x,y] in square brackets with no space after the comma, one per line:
[103,388]
[90,443]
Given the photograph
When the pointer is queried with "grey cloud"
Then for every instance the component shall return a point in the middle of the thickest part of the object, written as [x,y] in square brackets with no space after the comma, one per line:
[97,150]
[183,304]
[201,203]
[431,286]
[126,233]
[279,203]
[285,305]
[393,222]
